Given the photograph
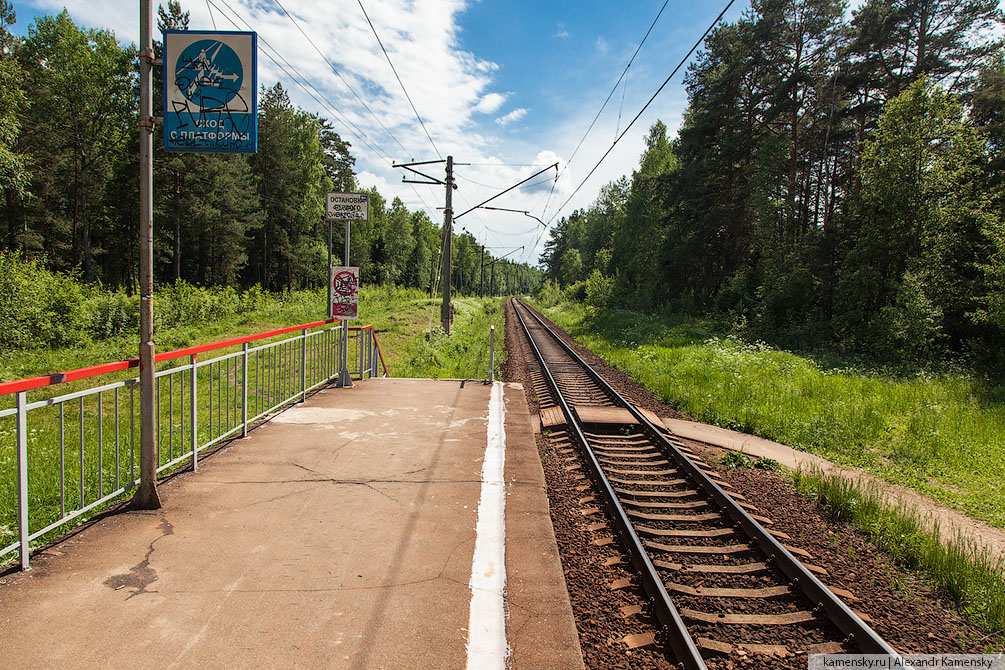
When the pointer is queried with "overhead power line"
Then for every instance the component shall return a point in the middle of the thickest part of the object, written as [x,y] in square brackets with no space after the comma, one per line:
[607,100]
[645,107]
[327,104]
[401,83]
[524,187]
[349,125]
[339,75]
[516,185]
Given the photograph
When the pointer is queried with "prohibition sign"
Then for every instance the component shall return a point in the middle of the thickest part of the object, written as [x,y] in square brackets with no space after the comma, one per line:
[345,284]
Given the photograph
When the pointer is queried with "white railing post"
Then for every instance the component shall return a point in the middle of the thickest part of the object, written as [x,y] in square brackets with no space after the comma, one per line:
[194,413]
[360,354]
[332,353]
[244,383]
[303,365]
[368,354]
[374,356]
[22,477]
[492,354]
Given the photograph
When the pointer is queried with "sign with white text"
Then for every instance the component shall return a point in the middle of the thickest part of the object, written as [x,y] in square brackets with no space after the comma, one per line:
[345,292]
[348,206]
[210,91]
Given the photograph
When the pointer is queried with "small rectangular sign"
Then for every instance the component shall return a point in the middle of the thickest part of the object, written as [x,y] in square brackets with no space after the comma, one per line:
[345,292]
[210,91]
[348,206]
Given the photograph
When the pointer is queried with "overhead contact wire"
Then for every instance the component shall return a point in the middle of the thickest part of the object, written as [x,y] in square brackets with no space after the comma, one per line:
[645,107]
[341,78]
[401,83]
[327,104]
[608,99]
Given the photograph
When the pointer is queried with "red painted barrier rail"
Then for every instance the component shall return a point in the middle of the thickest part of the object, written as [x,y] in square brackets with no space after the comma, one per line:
[18,385]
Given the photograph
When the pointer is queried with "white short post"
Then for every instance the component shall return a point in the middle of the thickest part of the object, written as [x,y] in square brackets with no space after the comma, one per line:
[492,354]
[194,413]
[244,383]
[22,477]
[303,365]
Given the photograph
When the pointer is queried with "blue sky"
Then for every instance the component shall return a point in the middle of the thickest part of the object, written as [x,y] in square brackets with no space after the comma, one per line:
[503,84]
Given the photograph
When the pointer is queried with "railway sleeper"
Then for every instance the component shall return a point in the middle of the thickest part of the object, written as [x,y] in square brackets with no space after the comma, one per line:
[727,649]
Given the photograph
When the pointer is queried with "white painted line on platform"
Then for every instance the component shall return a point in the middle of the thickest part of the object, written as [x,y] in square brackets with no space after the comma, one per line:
[487,648]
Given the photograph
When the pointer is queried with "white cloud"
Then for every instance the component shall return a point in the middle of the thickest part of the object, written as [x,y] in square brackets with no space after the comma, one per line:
[490,103]
[561,32]
[512,117]
[602,45]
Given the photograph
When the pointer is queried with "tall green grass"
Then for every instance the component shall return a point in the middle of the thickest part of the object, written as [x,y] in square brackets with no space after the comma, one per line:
[941,434]
[464,354]
[960,570]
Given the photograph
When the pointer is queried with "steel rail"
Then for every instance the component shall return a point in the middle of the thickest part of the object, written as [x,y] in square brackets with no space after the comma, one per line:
[840,614]
[683,645]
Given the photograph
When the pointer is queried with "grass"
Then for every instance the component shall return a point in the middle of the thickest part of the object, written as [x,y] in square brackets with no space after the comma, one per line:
[940,434]
[961,571]
[465,353]
[400,318]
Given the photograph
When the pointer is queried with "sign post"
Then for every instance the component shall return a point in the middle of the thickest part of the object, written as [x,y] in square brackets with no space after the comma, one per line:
[146,495]
[343,281]
[210,104]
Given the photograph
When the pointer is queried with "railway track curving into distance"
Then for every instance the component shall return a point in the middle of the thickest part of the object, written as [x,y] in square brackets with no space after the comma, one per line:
[720,581]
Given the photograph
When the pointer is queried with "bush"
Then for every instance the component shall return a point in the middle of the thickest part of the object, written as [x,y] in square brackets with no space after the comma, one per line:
[599,290]
[576,292]
[38,308]
[911,327]
[113,314]
[548,293]
[736,459]
[182,304]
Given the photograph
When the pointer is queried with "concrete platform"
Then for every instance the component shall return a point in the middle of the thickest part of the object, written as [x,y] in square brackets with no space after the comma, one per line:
[339,535]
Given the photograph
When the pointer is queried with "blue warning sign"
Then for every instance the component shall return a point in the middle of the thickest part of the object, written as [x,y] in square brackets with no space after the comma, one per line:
[210,91]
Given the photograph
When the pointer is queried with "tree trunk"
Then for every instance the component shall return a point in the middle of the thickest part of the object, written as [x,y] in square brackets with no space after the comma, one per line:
[85,220]
[11,220]
[265,256]
[203,257]
[177,227]
[74,249]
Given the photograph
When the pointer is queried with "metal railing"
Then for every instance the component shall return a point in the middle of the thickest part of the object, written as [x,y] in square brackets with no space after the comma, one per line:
[63,457]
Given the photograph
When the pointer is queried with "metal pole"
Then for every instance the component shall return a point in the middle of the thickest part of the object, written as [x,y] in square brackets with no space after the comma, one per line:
[22,478]
[330,268]
[344,378]
[481,283]
[448,214]
[146,495]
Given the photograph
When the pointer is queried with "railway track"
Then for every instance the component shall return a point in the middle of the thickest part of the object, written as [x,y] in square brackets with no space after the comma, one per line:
[720,581]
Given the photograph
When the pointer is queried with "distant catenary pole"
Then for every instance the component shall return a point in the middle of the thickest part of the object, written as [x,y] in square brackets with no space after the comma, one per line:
[448,215]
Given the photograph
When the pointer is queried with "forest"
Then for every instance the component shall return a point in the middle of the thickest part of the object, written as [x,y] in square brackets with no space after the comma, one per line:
[837,184]
[69,177]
